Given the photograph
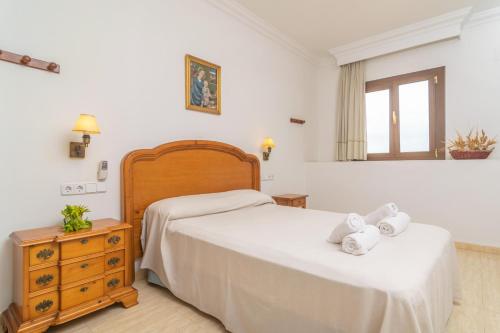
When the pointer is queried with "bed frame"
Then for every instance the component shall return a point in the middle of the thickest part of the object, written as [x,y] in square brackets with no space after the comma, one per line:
[182,168]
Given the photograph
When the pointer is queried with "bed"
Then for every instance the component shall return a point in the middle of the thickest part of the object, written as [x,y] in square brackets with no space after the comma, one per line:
[260,267]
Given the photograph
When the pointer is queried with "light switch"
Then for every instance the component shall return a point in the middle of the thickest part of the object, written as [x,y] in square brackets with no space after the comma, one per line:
[101,187]
[91,187]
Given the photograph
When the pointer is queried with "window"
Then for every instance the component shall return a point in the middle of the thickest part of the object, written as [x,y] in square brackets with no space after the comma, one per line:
[405,116]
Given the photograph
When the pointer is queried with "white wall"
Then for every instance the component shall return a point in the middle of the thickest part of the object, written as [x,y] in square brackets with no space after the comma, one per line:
[320,135]
[124,62]
[461,196]
[458,195]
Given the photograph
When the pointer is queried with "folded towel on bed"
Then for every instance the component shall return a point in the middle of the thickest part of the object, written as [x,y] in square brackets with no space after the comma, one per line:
[387,210]
[392,226]
[352,223]
[361,242]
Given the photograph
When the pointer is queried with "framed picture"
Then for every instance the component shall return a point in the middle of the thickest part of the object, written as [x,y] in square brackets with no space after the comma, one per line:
[202,85]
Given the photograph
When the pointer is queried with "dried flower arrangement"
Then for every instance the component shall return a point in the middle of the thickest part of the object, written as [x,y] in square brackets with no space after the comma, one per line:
[473,146]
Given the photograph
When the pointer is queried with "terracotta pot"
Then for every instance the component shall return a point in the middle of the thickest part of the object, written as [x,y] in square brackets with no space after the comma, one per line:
[470,155]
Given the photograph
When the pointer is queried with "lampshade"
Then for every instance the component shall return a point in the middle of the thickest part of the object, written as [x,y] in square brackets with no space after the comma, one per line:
[87,124]
[268,143]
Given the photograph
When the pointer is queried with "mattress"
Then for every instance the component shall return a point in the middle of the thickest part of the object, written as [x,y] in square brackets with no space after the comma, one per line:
[269,268]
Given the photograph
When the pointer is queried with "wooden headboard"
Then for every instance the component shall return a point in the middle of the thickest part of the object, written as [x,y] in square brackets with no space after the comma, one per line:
[182,168]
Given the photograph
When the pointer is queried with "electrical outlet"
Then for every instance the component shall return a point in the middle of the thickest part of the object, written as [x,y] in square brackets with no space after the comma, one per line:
[67,189]
[79,188]
[82,188]
[268,177]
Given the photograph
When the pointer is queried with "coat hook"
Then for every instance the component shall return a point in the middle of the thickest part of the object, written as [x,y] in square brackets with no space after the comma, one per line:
[52,66]
[25,60]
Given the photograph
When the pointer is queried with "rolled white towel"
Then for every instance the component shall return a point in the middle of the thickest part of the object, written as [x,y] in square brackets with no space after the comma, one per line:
[352,223]
[388,210]
[392,226]
[361,242]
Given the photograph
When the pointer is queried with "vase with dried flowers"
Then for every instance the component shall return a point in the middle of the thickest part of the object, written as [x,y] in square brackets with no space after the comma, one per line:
[472,146]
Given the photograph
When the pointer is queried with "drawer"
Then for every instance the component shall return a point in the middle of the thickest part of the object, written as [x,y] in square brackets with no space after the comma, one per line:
[113,281]
[299,202]
[82,270]
[115,259]
[44,253]
[44,278]
[81,247]
[44,304]
[81,294]
[115,240]
[282,202]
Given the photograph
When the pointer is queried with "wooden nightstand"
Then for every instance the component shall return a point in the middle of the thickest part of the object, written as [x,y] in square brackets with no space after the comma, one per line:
[292,200]
[62,276]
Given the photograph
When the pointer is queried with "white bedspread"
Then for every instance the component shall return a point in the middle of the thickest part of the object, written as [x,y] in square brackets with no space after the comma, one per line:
[270,269]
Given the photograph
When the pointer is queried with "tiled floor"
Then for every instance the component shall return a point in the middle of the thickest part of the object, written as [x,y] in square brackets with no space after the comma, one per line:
[159,311]
[480,309]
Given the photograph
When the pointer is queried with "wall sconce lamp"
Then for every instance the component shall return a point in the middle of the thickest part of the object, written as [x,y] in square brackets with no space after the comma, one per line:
[268,145]
[86,124]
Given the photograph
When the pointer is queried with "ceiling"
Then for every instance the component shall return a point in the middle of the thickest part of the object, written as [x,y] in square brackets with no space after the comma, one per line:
[320,25]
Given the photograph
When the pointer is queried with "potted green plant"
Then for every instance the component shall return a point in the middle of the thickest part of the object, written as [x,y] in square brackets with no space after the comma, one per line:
[73,218]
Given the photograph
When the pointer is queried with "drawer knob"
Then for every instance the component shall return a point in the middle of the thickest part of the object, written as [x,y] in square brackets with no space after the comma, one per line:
[83,266]
[44,305]
[84,241]
[44,279]
[113,283]
[84,289]
[45,254]
[114,239]
[113,261]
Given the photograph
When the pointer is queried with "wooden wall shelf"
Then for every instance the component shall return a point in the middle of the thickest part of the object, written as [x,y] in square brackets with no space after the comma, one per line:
[25,60]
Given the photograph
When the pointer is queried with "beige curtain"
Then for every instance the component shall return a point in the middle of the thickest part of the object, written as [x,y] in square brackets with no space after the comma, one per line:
[351,116]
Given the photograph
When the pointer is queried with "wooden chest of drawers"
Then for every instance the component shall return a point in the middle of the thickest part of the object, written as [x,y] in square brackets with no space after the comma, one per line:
[62,276]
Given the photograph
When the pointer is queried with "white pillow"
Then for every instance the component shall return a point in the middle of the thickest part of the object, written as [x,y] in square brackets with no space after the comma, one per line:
[210,203]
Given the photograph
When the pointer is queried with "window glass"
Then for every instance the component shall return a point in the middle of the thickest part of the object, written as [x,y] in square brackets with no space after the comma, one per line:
[377,121]
[414,116]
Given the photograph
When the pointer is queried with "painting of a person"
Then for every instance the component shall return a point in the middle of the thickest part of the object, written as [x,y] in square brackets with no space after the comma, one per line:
[197,88]
[206,95]
[202,85]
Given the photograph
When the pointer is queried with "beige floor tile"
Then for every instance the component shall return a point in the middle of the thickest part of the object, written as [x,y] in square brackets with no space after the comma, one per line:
[77,326]
[491,281]
[466,319]
[491,322]
[470,265]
